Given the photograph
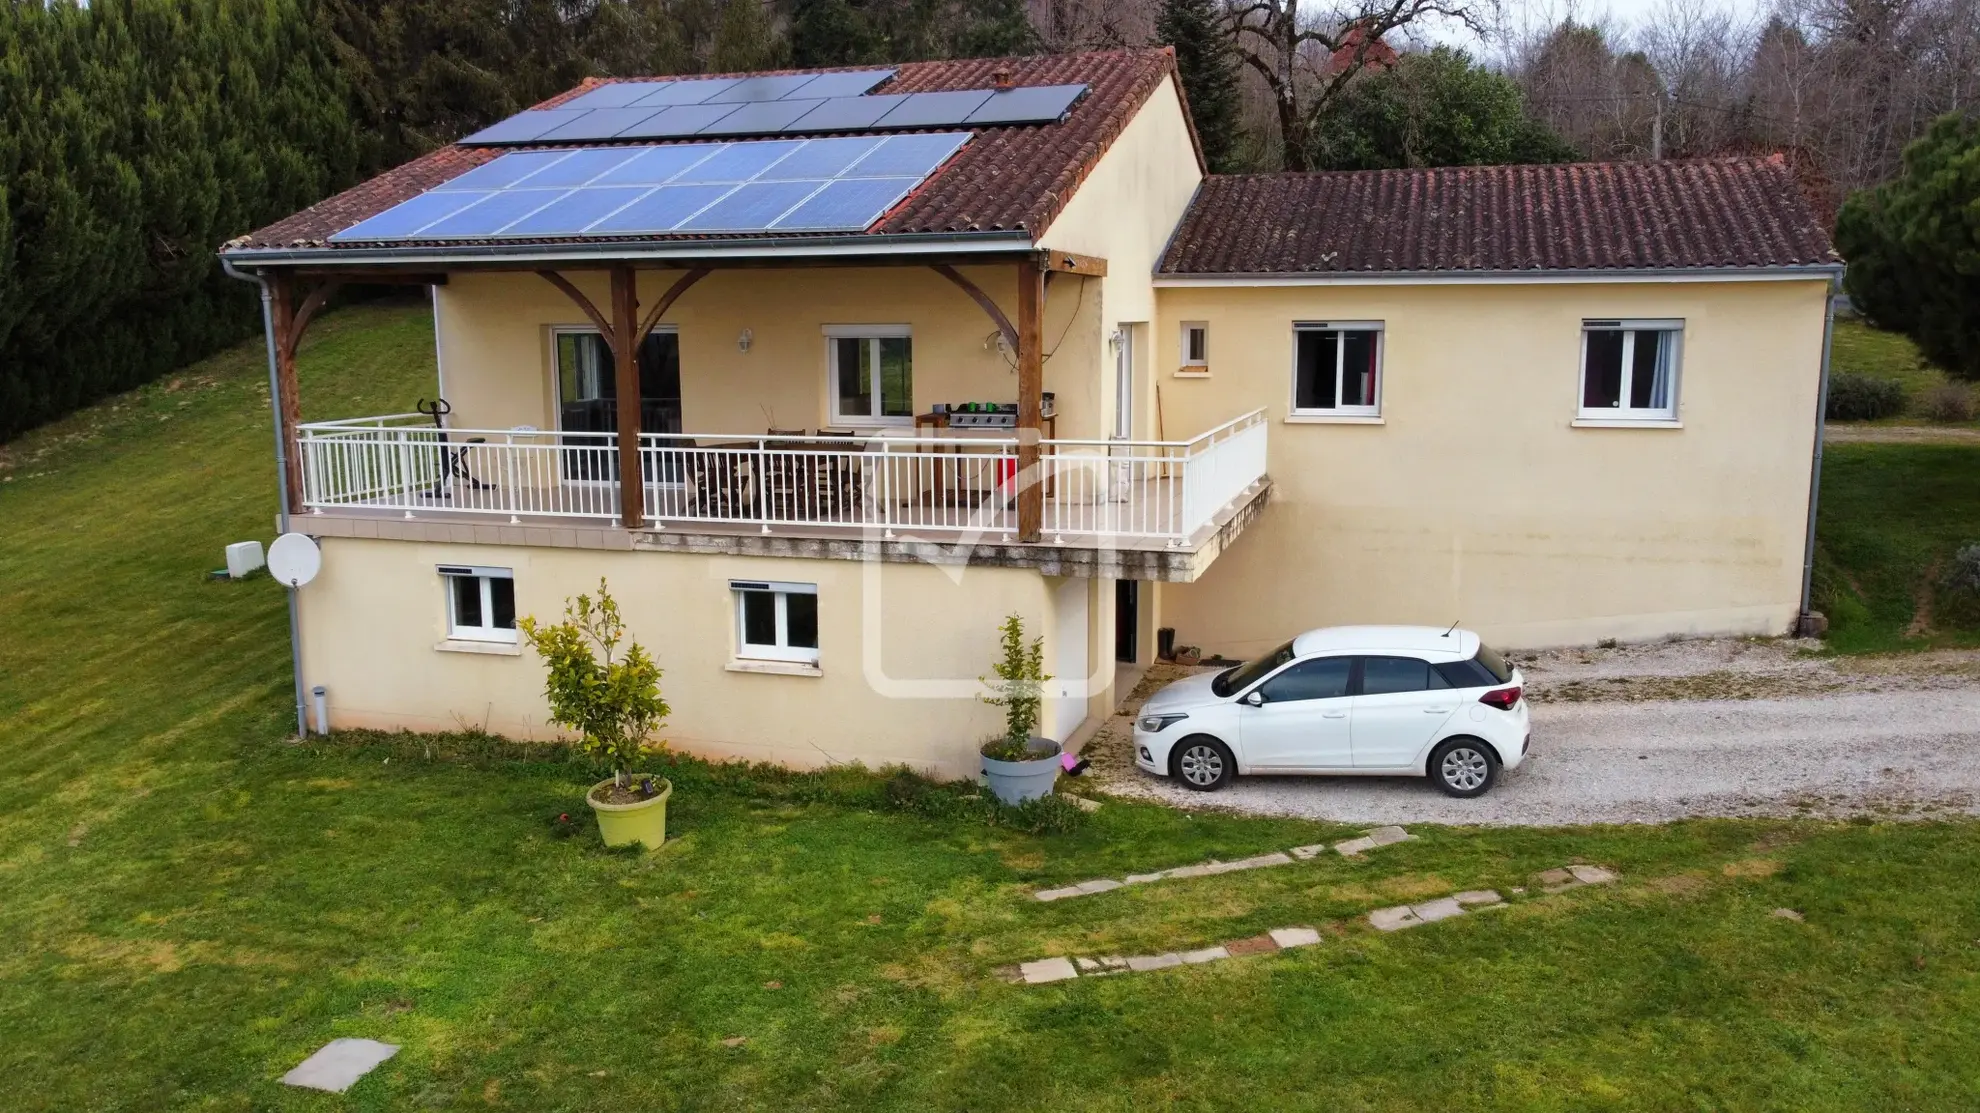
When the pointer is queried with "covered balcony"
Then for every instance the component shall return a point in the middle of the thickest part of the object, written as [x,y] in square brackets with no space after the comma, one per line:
[1157,507]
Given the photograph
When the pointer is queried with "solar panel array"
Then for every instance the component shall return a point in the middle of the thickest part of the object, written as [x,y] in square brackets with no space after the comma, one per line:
[839,184]
[772,104]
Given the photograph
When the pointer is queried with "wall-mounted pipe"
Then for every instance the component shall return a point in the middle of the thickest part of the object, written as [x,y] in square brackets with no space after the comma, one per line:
[281,474]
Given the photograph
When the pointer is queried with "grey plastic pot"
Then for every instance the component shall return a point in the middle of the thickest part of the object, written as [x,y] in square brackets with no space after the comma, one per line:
[1014,782]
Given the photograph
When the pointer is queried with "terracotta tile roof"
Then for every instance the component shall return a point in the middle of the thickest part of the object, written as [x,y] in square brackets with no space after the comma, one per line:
[1736,212]
[1006,178]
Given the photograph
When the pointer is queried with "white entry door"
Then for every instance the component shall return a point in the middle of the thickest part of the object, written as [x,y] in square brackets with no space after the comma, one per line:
[1303,720]
[1120,477]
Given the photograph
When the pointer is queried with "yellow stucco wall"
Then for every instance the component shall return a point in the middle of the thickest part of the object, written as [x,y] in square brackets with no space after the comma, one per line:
[1477,500]
[496,350]
[900,648]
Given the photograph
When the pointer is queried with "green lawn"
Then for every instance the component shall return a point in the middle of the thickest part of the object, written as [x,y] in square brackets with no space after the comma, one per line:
[1860,349]
[1892,518]
[193,905]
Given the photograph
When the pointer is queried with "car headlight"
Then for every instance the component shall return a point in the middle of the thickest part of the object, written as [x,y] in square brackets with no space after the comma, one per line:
[1155,724]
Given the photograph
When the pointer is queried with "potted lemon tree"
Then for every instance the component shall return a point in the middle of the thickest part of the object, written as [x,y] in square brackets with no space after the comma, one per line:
[1019,765]
[612,701]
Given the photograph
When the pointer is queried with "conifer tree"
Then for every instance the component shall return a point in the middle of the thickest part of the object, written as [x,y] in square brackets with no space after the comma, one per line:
[1209,66]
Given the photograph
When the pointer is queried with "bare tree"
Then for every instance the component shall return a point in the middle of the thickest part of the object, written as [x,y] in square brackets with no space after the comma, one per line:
[1305,58]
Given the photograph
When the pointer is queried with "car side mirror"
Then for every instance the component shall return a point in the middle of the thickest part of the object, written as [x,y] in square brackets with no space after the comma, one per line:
[1256,698]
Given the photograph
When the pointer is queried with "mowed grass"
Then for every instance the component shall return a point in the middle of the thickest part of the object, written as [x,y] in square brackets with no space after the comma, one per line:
[1893,517]
[191,904]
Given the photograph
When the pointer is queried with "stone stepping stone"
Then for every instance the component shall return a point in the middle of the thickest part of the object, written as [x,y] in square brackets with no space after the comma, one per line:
[338,1065]
[1380,836]
[1294,936]
[1477,896]
[1393,919]
[1207,954]
[1443,908]
[1140,963]
[1047,970]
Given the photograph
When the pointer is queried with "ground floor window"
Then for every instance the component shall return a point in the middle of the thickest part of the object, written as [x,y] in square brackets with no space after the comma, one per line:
[1337,369]
[1629,369]
[776,621]
[481,603]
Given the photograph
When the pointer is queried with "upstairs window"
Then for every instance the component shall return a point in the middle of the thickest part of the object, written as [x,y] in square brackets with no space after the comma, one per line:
[1195,345]
[1629,369]
[776,621]
[481,603]
[1337,369]
[872,374]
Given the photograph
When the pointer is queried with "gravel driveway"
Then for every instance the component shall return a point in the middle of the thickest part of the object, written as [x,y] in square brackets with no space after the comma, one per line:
[1647,734]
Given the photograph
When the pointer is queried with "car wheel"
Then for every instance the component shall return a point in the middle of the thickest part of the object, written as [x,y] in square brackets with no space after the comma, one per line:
[1464,767]
[1203,763]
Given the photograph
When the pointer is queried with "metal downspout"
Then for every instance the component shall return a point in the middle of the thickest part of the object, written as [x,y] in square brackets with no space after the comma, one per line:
[281,480]
[1815,470]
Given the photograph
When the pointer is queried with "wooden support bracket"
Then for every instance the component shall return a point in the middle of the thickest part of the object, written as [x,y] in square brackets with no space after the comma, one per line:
[576,295]
[1069,262]
[983,300]
[667,301]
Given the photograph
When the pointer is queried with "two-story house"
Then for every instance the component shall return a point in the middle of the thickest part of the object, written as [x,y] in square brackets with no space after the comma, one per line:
[919,347]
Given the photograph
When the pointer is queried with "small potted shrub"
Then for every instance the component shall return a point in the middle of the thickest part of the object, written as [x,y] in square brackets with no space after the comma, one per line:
[613,703]
[1019,765]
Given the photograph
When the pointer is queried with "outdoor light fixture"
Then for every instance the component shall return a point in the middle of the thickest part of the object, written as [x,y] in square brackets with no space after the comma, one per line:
[742,342]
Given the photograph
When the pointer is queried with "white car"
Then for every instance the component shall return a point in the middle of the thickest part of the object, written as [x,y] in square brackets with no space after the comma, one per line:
[1365,700]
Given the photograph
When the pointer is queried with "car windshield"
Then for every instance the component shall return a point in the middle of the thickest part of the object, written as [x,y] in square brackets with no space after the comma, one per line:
[1249,673]
[1494,662]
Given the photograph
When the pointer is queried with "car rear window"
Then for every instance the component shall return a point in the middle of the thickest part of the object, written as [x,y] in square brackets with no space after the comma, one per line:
[1482,671]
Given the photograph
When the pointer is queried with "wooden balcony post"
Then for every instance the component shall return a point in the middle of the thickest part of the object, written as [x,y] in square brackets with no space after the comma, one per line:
[1031,388]
[288,397]
[625,364]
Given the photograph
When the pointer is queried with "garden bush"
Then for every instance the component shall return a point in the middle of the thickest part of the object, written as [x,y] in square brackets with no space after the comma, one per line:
[1854,397]
[1950,402]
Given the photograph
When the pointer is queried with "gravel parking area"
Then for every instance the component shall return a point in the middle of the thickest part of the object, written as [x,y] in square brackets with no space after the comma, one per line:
[1721,727]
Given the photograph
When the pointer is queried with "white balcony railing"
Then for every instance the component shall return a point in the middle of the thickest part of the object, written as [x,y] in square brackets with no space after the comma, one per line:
[1163,490]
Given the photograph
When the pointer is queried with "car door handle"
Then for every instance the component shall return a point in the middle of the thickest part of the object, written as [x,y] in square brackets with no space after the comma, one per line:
[1334,714]
[1436,711]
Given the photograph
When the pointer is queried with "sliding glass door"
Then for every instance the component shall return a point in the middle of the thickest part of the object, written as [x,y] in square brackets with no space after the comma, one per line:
[588,396]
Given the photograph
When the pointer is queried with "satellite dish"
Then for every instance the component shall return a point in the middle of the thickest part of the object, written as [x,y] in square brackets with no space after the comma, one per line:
[294,559]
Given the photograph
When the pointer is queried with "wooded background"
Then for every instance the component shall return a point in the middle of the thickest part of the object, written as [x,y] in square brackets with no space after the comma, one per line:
[136,136]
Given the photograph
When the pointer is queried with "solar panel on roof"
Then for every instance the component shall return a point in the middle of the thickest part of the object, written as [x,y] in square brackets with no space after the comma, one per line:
[402,220]
[935,110]
[580,167]
[575,211]
[847,113]
[679,121]
[655,165]
[506,170]
[763,87]
[618,94]
[764,117]
[1036,104]
[739,162]
[685,92]
[849,84]
[915,155]
[836,184]
[524,126]
[492,214]
[599,123]
[821,158]
[660,210]
[751,208]
[848,204]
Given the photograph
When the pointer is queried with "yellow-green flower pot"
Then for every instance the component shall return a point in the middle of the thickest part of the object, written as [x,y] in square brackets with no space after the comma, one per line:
[642,821]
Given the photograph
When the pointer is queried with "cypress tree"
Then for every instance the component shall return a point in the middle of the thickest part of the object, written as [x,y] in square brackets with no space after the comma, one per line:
[1209,76]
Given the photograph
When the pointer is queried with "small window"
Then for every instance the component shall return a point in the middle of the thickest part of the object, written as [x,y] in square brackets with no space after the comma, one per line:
[776,621]
[1195,344]
[1337,369]
[872,374]
[481,604]
[1629,369]
[1320,678]
[1381,676]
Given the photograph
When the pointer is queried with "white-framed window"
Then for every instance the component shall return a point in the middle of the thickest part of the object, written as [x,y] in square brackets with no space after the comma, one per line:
[776,621]
[1337,368]
[481,603]
[1195,345]
[870,374]
[1629,369]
